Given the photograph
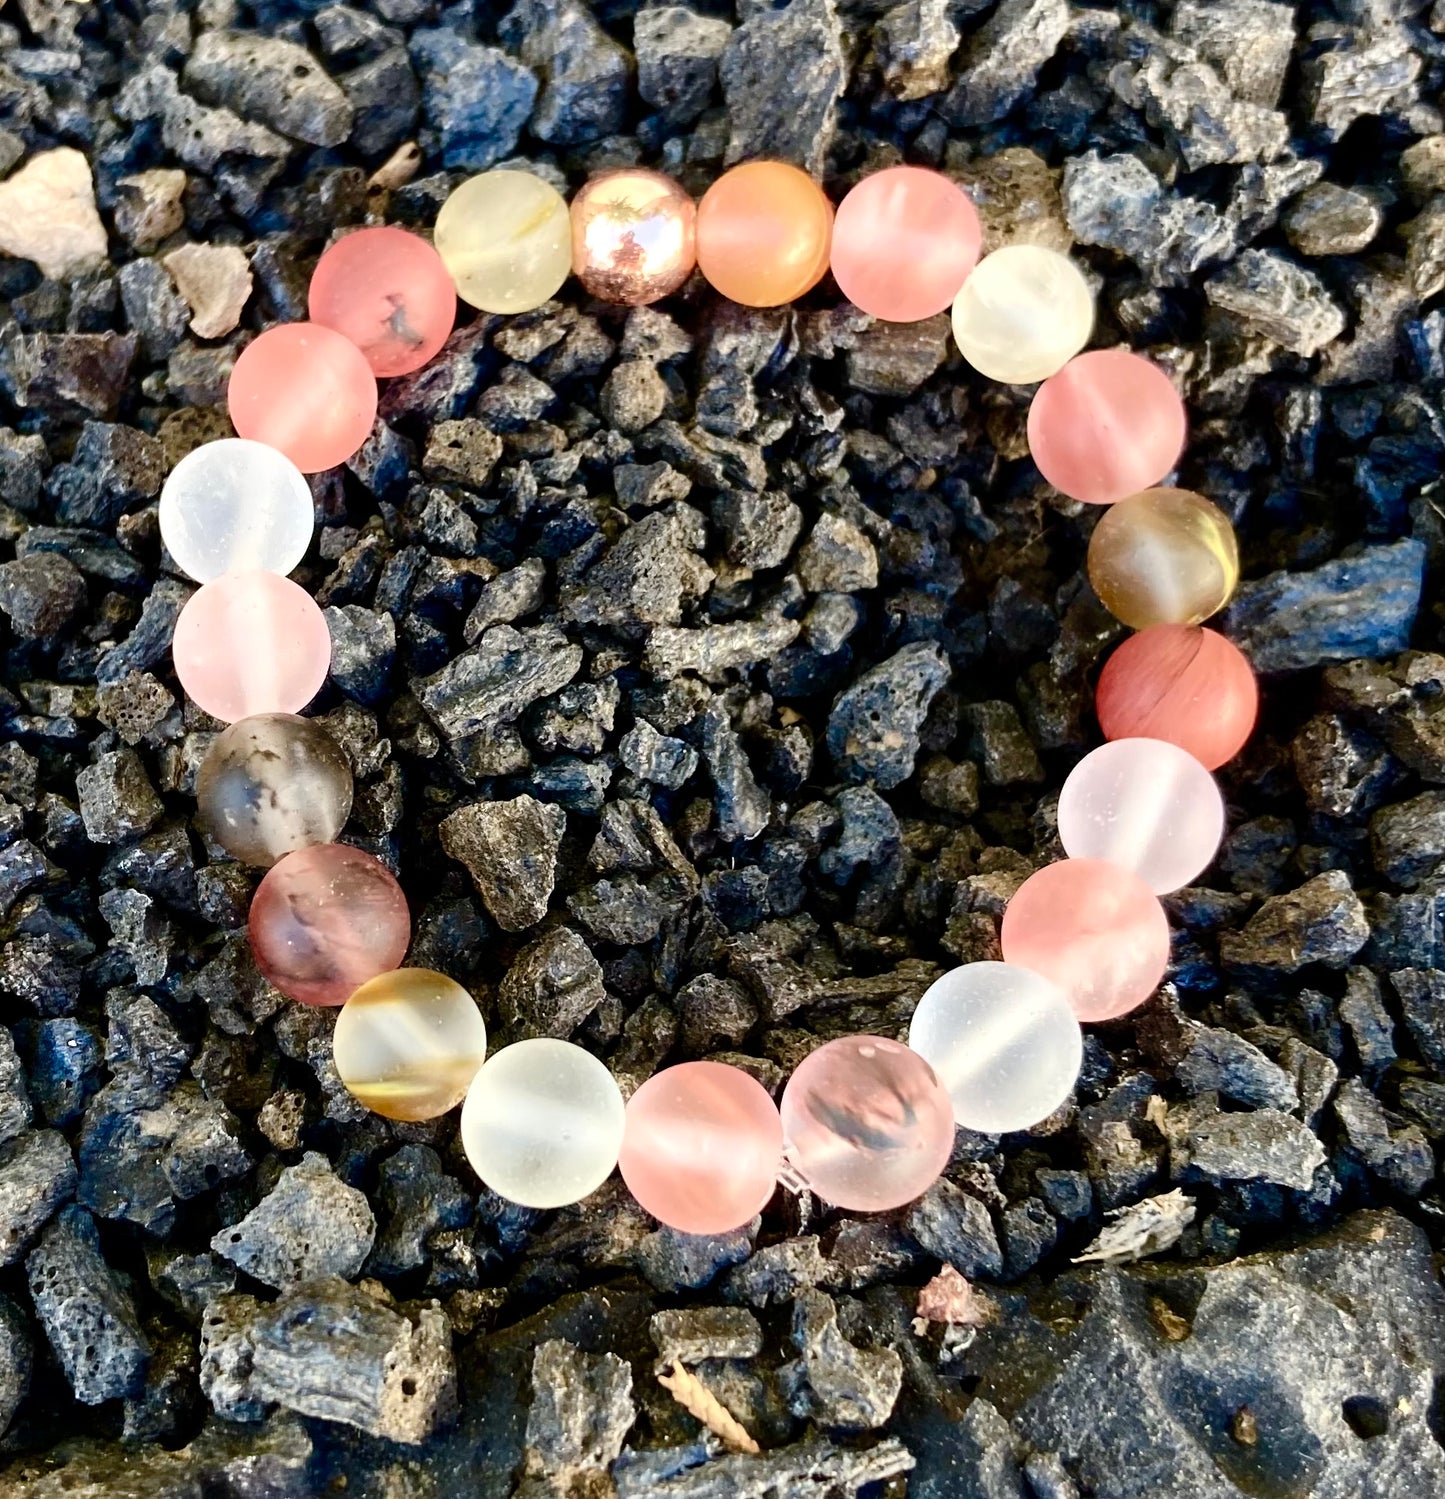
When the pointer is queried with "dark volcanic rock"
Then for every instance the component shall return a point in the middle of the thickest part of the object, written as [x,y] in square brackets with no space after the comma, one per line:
[510,850]
[272,81]
[584,72]
[677,56]
[874,728]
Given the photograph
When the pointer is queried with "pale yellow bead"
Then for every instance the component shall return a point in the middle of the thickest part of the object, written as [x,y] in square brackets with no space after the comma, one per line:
[408,1043]
[1164,556]
[1022,314]
[506,239]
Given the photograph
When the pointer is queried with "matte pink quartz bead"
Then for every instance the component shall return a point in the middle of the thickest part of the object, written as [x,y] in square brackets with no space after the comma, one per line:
[904,241]
[306,390]
[866,1123]
[1145,804]
[251,643]
[1109,424]
[389,293]
[325,920]
[1095,929]
[1189,686]
[702,1147]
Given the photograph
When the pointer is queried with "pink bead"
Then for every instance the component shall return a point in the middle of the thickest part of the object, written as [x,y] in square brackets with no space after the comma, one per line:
[1108,425]
[306,390]
[867,1124]
[702,1147]
[325,920]
[904,241]
[1189,686]
[251,643]
[1095,929]
[389,293]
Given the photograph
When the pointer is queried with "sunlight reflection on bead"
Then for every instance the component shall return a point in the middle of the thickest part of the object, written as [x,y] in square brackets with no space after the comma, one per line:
[1003,1041]
[408,1043]
[633,237]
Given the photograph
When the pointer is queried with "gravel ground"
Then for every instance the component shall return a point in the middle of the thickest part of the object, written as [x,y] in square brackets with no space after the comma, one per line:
[709,677]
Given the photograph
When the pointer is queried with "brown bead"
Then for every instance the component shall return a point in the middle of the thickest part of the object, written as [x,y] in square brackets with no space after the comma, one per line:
[632,236]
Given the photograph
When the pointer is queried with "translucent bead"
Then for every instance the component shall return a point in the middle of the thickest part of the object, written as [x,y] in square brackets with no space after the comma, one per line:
[542,1124]
[1003,1041]
[251,643]
[306,390]
[866,1124]
[633,238]
[325,920]
[235,506]
[1163,556]
[1094,929]
[408,1043]
[904,241]
[763,232]
[506,239]
[271,784]
[1022,314]
[389,293]
[1147,805]
[702,1147]
[1178,682]
[1109,424]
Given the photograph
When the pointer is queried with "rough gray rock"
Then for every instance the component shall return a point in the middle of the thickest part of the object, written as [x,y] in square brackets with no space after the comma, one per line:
[270,80]
[1408,839]
[85,1312]
[1220,1062]
[1001,60]
[117,800]
[309,1224]
[1359,606]
[478,99]
[677,57]
[1328,219]
[693,1334]
[584,73]
[510,850]
[954,1226]
[874,727]
[1264,1145]
[914,42]
[796,53]
[330,1351]
[40,594]
[1323,921]
[835,1382]
[581,1409]
[554,984]
[743,807]
[1272,297]
[485,689]
[37,1175]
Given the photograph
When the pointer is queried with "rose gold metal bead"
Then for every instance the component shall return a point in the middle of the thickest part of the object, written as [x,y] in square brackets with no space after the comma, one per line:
[632,236]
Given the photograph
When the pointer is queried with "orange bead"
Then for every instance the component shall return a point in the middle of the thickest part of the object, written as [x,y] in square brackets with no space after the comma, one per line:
[1179,683]
[306,390]
[764,230]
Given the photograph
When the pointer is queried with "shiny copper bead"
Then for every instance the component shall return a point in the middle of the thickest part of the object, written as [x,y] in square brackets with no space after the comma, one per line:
[632,236]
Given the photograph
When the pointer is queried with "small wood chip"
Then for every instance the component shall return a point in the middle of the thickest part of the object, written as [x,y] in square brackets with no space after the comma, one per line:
[397,170]
[1174,1327]
[695,1398]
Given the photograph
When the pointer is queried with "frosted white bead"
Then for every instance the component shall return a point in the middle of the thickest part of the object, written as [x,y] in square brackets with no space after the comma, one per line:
[1147,805]
[1023,313]
[235,506]
[542,1123]
[1004,1042]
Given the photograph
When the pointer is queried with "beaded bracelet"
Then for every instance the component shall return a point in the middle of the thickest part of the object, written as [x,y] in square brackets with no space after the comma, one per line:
[864,1122]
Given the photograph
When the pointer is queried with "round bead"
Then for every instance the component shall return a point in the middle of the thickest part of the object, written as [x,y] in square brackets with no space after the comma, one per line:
[1003,1041]
[306,390]
[271,784]
[866,1123]
[235,506]
[1022,314]
[1147,805]
[1094,929]
[389,293]
[633,237]
[702,1147]
[904,241]
[1189,686]
[506,240]
[1109,424]
[251,643]
[325,920]
[763,231]
[408,1043]
[542,1124]
[1164,556]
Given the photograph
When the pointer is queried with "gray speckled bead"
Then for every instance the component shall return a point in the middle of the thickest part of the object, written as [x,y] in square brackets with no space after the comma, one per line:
[271,784]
